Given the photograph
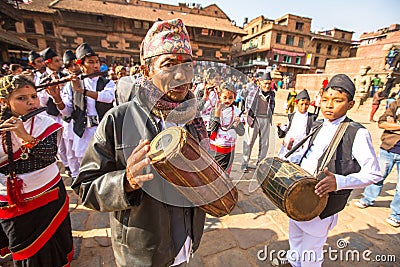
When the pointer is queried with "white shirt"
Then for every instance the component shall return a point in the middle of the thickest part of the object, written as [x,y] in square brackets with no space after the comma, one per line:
[208,105]
[43,95]
[297,131]
[184,252]
[107,95]
[362,151]
[227,138]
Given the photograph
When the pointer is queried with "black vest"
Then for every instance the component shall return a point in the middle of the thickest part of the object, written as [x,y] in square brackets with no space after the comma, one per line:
[80,107]
[341,163]
[51,107]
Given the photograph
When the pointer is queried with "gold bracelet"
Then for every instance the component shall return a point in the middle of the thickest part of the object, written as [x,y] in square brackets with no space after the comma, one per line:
[58,103]
[33,142]
[130,178]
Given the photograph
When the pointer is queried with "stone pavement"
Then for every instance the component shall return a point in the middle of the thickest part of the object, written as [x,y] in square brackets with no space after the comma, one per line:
[256,228]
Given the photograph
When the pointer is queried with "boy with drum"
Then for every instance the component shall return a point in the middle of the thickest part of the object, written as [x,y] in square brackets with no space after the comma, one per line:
[353,165]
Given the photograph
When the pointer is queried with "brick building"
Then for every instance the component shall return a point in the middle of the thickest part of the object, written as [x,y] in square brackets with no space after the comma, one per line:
[330,44]
[372,50]
[115,29]
[379,42]
[10,44]
[289,44]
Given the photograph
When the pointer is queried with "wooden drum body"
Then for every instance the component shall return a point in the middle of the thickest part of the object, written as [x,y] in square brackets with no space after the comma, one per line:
[180,159]
[291,189]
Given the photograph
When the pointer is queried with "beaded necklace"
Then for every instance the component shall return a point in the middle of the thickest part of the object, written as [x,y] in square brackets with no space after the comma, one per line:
[24,148]
[227,126]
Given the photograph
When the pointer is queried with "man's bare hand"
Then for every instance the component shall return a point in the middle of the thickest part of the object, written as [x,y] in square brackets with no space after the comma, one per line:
[136,162]
[326,185]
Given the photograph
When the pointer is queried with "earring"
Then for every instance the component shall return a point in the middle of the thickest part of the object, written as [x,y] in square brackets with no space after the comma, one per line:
[3,106]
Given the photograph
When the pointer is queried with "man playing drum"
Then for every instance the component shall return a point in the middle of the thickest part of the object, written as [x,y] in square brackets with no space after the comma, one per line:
[151,223]
[354,165]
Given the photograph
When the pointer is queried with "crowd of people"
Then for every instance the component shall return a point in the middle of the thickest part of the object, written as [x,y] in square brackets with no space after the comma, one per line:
[104,147]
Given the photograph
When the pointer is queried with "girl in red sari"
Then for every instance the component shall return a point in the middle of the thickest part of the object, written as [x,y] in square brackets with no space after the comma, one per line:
[33,201]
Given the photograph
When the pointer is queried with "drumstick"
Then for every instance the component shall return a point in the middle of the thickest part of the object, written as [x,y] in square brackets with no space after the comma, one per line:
[241,180]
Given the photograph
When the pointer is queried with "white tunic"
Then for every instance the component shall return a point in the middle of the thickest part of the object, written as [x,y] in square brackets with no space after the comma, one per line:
[107,95]
[297,131]
[362,151]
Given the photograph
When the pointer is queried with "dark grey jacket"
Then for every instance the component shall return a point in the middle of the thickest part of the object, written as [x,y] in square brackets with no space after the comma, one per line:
[140,221]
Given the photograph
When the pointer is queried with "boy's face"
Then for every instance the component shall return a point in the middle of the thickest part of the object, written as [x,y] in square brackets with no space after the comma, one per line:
[227,97]
[121,73]
[335,104]
[302,105]
[74,68]
[214,80]
[38,63]
[55,63]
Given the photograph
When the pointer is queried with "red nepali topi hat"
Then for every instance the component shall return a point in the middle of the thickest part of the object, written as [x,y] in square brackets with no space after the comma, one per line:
[166,37]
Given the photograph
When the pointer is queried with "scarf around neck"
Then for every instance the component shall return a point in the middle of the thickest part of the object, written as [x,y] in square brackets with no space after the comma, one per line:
[184,112]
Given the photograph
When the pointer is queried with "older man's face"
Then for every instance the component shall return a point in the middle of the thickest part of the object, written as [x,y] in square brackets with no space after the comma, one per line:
[266,85]
[173,75]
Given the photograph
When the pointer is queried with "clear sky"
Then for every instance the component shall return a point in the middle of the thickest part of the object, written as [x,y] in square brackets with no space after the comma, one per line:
[352,15]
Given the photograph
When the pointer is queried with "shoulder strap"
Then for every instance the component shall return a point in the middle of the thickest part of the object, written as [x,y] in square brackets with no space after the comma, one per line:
[303,141]
[330,151]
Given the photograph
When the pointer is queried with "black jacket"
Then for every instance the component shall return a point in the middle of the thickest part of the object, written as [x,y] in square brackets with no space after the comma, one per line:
[140,221]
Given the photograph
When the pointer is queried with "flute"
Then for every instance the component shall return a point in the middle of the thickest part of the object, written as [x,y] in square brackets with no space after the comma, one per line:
[26,117]
[68,78]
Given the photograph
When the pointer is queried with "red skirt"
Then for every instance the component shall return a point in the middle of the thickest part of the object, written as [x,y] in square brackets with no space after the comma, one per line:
[41,237]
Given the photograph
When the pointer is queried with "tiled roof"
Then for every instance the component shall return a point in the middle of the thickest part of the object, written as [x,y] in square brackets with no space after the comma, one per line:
[42,6]
[10,38]
[144,13]
[8,11]
[328,38]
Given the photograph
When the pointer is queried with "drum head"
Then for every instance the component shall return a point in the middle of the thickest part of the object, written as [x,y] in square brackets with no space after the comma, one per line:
[301,203]
[165,143]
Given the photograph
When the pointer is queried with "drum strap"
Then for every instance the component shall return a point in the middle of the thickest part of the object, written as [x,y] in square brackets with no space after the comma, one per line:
[303,141]
[330,151]
[332,145]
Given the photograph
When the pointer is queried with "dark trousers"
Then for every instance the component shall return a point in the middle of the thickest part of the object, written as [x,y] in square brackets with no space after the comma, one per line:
[224,160]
